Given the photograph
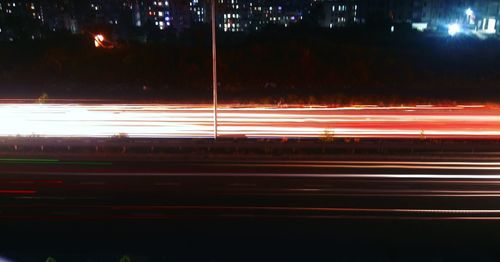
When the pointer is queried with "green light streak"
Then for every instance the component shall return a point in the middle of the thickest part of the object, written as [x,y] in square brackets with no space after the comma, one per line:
[51,162]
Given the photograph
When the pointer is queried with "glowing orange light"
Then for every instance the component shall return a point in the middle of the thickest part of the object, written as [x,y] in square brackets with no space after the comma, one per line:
[99,40]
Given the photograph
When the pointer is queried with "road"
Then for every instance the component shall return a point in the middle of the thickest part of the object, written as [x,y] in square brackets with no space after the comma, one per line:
[195,121]
[309,189]
[251,210]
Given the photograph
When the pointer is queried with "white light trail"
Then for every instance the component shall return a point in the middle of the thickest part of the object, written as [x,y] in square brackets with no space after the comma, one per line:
[195,121]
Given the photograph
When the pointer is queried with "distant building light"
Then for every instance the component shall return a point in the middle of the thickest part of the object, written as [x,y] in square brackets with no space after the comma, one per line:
[419,26]
[392,29]
[490,27]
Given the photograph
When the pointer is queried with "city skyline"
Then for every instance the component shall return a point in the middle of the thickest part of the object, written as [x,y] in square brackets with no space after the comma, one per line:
[32,17]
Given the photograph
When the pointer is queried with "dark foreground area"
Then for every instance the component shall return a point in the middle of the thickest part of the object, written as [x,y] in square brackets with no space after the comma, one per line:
[389,208]
[251,240]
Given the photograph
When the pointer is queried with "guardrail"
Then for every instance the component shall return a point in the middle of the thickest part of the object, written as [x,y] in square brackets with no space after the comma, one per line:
[237,146]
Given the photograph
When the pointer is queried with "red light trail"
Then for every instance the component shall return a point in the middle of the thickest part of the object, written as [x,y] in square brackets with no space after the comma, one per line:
[195,121]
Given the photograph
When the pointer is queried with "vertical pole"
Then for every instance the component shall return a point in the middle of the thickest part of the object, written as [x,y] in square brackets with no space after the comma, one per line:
[214,65]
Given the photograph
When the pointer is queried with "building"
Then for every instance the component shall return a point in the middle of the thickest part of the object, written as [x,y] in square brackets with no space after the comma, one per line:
[130,18]
[335,13]
[21,19]
[163,15]
[281,13]
[253,15]
[198,10]
[486,16]
[233,15]
[181,15]
[476,16]
[22,9]
[60,15]
[156,14]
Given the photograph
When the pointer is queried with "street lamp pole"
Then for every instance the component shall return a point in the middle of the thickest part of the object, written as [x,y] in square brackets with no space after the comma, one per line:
[214,66]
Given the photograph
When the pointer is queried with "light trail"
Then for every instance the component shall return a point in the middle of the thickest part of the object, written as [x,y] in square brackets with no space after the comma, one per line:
[195,121]
[447,178]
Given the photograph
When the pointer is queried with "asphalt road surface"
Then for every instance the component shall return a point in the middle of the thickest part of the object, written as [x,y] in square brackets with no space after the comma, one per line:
[40,188]
[195,121]
[390,210]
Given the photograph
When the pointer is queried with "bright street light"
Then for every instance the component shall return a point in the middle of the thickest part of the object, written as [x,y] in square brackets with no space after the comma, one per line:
[101,42]
[469,12]
[98,40]
[454,29]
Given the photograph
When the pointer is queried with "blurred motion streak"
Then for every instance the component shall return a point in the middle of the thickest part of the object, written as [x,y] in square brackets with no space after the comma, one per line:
[5,191]
[195,121]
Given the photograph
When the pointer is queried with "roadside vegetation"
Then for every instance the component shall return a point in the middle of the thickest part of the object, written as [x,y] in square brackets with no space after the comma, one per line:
[317,67]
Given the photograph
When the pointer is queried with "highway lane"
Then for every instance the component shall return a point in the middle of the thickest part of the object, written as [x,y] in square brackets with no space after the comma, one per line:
[415,190]
[222,210]
[195,121]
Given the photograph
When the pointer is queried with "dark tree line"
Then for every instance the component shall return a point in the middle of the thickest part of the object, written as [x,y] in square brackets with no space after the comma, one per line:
[274,65]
